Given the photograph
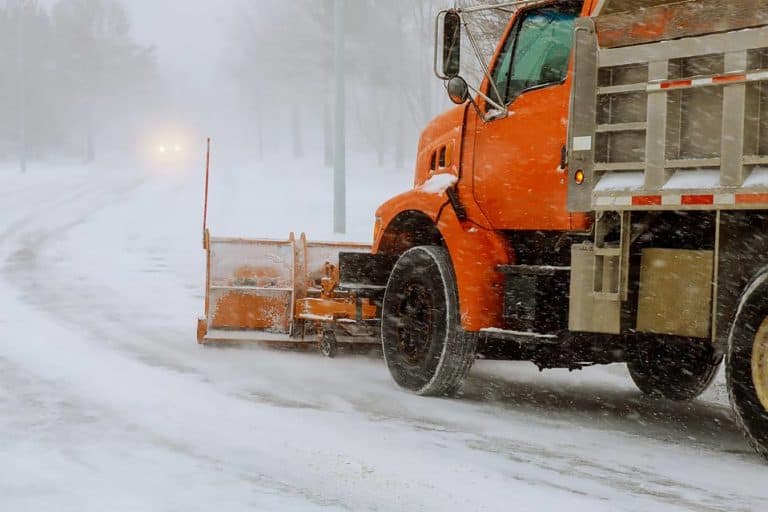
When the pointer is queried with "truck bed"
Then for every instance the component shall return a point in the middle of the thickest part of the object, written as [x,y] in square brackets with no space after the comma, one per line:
[661,119]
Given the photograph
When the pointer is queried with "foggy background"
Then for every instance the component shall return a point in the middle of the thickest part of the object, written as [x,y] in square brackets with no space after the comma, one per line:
[88,79]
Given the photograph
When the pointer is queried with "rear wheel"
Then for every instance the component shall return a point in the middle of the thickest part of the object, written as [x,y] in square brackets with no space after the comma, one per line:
[674,370]
[424,346]
[747,366]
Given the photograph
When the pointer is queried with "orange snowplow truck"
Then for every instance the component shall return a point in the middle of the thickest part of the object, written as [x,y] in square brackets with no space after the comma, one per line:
[600,196]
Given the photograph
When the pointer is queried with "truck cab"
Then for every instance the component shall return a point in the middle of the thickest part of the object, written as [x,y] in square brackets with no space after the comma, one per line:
[505,151]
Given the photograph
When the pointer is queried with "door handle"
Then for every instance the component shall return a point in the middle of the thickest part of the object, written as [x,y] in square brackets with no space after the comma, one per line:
[564,157]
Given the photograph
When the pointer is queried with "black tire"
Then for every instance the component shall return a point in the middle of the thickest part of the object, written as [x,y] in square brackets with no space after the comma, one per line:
[329,347]
[747,334]
[675,370]
[424,346]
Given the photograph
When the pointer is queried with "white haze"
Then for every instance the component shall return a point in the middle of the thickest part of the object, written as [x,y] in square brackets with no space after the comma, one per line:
[257,76]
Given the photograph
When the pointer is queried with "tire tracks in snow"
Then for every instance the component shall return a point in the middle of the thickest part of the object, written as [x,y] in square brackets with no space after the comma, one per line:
[21,267]
[38,412]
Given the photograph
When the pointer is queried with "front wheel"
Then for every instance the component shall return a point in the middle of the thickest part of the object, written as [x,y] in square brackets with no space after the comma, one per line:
[747,365]
[329,347]
[424,346]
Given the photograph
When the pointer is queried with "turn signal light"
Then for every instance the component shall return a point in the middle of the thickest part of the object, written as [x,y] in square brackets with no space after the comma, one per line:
[579,177]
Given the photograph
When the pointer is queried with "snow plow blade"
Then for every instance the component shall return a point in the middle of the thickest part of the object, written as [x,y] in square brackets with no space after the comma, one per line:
[281,292]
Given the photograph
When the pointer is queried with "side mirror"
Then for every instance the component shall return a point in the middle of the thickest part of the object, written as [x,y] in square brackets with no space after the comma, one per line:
[451,44]
[458,90]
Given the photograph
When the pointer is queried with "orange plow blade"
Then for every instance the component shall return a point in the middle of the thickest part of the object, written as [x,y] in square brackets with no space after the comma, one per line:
[281,291]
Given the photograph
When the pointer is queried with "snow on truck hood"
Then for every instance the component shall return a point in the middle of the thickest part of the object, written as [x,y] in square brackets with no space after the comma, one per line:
[439,183]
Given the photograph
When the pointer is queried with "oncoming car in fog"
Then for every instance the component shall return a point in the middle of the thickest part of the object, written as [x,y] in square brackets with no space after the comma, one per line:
[167,149]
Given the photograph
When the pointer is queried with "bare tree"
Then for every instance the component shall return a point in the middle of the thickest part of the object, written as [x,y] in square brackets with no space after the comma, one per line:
[393,92]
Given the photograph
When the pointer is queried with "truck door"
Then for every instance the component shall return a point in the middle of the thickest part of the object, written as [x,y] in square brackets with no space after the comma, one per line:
[517,180]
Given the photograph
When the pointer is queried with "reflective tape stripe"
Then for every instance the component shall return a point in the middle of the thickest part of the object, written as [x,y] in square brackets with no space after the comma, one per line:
[674,84]
[751,198]
[724,199]
[705,81]
[697,199]
[729,78]
[646,201]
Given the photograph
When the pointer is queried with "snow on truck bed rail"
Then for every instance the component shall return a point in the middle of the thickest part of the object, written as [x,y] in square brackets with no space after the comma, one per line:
[696,179]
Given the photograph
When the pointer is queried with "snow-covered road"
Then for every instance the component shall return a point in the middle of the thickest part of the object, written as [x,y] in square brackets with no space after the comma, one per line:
[107,402]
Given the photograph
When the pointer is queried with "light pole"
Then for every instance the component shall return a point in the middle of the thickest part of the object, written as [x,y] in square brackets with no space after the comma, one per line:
[340,153]
[22,88]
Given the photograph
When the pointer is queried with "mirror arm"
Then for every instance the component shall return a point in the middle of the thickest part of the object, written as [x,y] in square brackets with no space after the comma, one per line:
[486,72]
[477,107]
[492,103]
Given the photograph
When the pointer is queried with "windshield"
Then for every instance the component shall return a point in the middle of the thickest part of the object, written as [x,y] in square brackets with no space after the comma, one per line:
[536,52]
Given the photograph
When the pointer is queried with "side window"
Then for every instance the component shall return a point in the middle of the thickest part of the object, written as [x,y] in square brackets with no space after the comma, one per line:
[536,53]
[503,68]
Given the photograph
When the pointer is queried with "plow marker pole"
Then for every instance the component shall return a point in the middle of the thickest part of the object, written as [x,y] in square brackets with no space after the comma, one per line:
[205,203]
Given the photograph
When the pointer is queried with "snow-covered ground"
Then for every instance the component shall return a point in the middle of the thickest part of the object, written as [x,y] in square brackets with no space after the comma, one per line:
[108,403]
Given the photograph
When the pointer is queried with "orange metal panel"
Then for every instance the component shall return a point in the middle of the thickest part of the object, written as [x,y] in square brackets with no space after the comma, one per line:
[238,310]
[517,179]
[680,19]
[329,310]
[202,329]
[475,254]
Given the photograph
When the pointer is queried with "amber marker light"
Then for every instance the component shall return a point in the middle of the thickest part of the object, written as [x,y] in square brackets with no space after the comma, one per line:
[579,177]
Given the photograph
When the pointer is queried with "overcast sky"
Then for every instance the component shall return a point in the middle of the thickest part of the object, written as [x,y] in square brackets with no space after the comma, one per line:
[189,35]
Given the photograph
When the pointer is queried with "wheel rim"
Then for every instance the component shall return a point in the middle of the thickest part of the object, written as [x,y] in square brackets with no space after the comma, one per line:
[760,363]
